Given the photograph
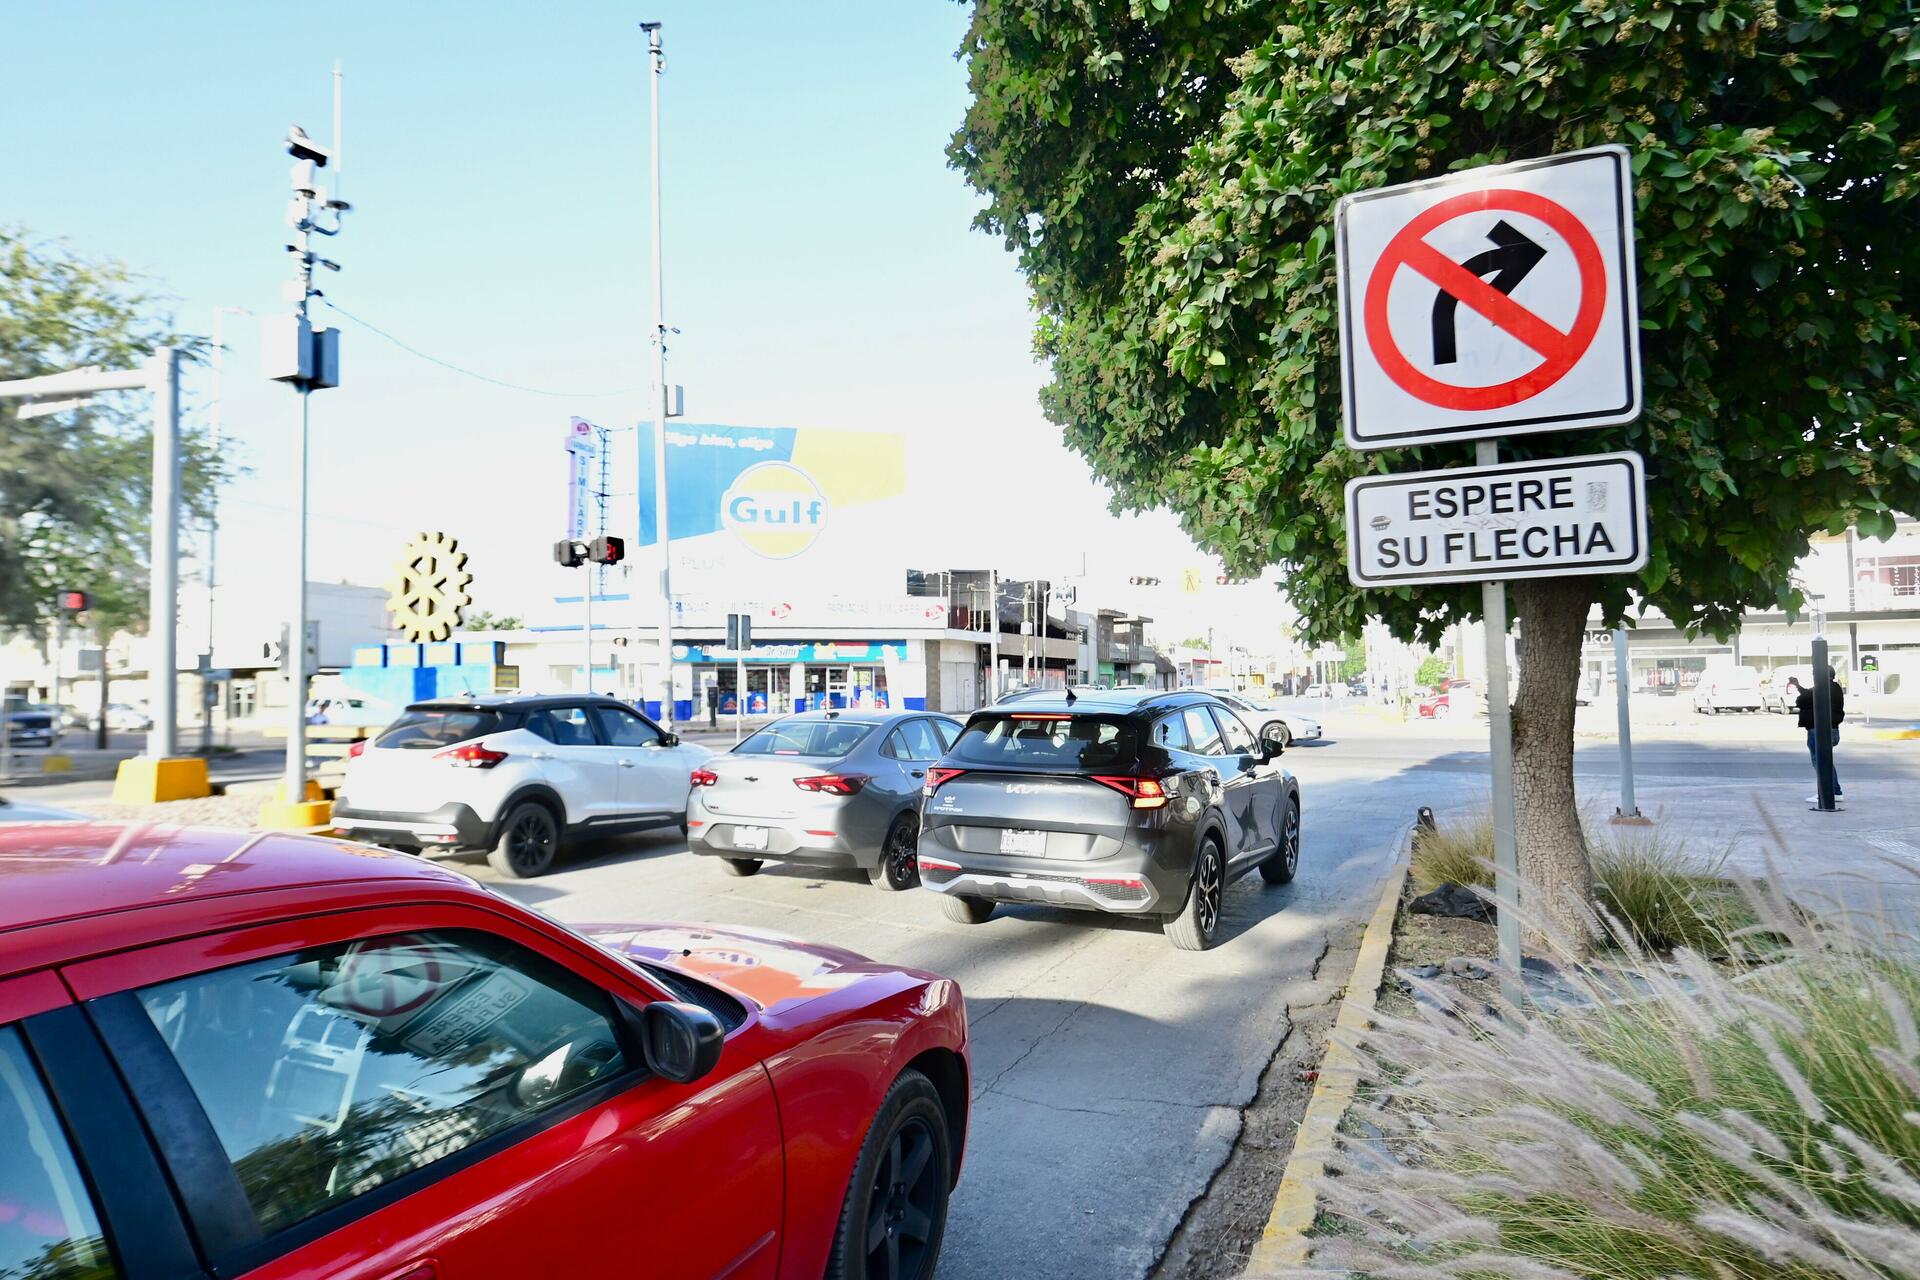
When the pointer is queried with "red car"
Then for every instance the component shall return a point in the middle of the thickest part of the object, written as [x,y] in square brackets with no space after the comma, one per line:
[263,1055]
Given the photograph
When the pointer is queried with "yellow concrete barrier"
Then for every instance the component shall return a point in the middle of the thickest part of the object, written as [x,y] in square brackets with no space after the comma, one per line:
[277,815]
[151,780]
[56,764]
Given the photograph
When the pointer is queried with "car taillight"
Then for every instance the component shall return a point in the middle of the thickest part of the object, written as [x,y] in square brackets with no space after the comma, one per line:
[354,751]
[1146,793]
[472,755]
[833,784]
[704,778]
[937,776]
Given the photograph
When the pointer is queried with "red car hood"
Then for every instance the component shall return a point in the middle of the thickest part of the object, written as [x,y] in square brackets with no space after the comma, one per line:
[769,969]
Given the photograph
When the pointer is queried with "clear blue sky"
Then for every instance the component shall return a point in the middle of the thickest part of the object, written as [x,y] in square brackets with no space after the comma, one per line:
[820,262]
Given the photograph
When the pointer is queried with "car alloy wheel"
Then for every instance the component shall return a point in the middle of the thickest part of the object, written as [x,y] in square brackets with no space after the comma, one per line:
[1193,927]
[529,842]
[900,855]
[895,1211]
[1280,866]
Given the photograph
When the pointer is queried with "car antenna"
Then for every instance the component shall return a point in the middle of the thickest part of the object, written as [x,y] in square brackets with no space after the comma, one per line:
[1071,699]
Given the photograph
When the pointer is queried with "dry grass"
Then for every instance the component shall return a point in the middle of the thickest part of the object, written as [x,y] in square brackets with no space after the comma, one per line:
[1743,1121]
[1649,887]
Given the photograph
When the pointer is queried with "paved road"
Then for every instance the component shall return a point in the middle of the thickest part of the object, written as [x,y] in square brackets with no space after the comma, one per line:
[1110,1069]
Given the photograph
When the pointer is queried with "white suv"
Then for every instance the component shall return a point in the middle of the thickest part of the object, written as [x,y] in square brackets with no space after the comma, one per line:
[518,777]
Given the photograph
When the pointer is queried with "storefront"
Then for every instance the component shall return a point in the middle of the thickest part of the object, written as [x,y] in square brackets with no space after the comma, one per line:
[857,674]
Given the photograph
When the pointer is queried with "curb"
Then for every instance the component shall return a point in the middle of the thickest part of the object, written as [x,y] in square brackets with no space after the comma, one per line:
[1283,1243]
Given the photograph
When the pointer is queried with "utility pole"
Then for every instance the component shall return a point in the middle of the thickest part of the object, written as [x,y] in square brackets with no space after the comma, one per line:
[213,520]
[1629,812]
[657,65]
[993,637]
[295,352]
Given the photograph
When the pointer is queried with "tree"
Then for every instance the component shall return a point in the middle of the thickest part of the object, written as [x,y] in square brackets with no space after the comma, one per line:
[483,620]
[1353,657]
[1167,172]
[76,488]
[1433,669]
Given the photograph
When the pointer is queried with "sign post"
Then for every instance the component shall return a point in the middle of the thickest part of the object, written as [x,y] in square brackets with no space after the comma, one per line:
[1485,304]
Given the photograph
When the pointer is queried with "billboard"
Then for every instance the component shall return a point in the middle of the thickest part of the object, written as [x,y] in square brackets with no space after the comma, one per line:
[787,510]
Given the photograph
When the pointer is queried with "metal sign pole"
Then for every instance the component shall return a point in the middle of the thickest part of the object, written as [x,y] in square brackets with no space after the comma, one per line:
[1825,801]
[1506,853]
[1628,812]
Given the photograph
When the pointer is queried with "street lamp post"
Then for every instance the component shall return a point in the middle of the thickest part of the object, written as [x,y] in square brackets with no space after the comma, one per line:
[657,60]
[213,520]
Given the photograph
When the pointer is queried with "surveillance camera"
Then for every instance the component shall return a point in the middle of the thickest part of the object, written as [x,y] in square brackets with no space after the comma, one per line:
[650,26]
[301,147]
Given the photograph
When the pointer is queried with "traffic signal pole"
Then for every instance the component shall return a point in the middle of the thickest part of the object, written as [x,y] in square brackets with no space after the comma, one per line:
[657,58]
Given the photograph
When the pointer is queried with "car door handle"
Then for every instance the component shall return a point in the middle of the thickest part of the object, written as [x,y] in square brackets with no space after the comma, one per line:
[624,764]
[540,755]
[918,773]
[418,1271]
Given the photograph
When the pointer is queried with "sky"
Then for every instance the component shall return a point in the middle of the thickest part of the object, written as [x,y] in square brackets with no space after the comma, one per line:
[820,265]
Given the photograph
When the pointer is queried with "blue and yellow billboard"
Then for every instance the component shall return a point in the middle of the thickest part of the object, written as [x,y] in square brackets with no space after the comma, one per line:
[761,503]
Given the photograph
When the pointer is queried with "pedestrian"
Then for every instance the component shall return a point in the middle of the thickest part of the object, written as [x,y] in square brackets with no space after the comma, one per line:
[1804,705]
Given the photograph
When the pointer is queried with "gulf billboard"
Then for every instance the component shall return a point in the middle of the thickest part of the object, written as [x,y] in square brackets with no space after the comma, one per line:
[798,509]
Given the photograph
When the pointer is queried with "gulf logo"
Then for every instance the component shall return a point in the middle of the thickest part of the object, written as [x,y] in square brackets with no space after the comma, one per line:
[775,508]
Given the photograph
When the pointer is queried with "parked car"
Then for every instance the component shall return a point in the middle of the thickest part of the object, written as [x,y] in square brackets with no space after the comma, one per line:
[1780,688]
[1318,690]
[1268,719]
[1728,689]
[1144,803]
[520,777]
[828,788]
[273,1055]
[29,725]
[122,717]
[16,811]
[1437,705]
[351,709]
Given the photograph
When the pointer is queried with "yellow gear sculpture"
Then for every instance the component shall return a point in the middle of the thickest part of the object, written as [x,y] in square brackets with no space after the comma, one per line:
[429,588]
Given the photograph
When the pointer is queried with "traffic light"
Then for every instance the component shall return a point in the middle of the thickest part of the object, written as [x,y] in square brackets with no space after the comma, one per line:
[607,550]
[73,601]
[570,553]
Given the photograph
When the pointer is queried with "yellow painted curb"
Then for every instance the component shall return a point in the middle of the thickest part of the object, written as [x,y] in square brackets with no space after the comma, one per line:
[56,764]
[1897,735]
[149,780]
[1284,1241]
[277,815]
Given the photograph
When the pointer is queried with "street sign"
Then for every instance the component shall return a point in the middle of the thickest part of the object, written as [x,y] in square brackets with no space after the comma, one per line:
[1542,519]
[1493,302]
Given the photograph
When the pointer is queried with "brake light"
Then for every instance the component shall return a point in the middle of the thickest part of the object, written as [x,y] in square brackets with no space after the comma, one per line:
[833,784]
[937,864]
[472,755]
[704,778]
[1146,793]
[1037,715]
[937,776]
[354,751]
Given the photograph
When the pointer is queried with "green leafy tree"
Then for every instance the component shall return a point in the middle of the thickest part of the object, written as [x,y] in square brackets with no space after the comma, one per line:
[1167,171]
[1353,657]
[1433,669]
[76,488]
[485,620]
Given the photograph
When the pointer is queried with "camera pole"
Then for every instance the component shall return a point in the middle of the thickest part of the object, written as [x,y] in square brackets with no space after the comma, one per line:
[657,58]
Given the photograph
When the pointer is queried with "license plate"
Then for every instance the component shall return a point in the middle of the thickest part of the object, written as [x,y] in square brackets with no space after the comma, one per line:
[1028,843]
[749,837]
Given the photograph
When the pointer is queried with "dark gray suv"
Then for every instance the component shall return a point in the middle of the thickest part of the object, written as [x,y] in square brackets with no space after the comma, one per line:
[1126,800]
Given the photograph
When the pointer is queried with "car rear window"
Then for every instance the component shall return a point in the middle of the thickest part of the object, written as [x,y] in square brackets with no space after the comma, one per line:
[805,738]
[439,727]
[1045,741]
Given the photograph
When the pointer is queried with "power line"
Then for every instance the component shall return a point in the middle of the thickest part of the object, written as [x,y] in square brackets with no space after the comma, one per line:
[447,364]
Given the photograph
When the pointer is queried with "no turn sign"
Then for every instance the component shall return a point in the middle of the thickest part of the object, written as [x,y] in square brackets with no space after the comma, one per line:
[1493,302]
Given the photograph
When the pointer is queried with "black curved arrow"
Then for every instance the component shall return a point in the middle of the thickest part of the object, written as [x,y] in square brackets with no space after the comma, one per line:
[1509,263]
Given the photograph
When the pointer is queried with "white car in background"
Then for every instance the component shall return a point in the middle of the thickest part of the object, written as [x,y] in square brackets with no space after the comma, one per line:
[519,777]
[346,708]
[1728,689]
[1263,715]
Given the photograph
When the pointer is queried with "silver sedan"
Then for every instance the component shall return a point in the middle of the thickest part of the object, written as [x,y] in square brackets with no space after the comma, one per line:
[828,788]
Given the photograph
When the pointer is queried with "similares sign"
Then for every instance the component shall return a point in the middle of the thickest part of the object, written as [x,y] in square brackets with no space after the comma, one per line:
[1519,519]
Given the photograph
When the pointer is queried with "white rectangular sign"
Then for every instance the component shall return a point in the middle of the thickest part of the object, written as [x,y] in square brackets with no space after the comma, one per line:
[1493,302]
[1545,519]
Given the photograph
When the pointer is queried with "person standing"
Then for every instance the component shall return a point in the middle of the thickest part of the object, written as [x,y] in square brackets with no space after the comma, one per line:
[1804,705]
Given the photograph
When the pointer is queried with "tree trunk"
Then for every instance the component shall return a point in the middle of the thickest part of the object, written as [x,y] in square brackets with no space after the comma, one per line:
[1552,613]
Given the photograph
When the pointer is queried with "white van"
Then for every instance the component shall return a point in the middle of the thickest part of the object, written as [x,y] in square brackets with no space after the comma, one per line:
[1728,689]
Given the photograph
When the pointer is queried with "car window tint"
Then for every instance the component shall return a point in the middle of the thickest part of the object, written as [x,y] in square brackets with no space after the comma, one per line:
[1202,733]
[568,727]
[435,727]
[805,738]
[1041,740]
[921,744]
[1170,733]
[949,733]
[621,728]
[49,1229]
[1239,742]
[895,747]
[331,1071]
